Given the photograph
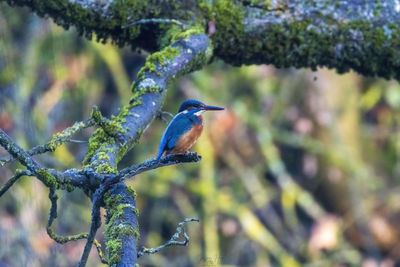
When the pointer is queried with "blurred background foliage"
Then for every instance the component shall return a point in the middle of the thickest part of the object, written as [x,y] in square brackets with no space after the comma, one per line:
[301,169]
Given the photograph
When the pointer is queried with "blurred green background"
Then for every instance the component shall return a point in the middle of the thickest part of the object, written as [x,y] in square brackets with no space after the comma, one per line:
[301,169]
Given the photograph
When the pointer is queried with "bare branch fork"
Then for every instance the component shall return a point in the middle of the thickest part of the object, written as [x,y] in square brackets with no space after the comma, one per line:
[180,232]
[99,178]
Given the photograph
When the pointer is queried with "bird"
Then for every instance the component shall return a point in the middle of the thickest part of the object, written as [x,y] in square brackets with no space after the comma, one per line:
[184,129]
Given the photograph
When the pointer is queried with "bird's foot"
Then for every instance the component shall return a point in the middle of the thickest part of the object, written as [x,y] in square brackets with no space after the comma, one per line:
[162,116]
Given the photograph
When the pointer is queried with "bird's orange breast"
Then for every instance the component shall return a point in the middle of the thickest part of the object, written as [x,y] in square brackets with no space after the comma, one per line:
[187,140]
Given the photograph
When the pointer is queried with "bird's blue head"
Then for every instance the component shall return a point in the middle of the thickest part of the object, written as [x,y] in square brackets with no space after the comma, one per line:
[195,104]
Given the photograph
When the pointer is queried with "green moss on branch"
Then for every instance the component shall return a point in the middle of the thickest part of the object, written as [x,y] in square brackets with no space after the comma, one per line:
[105,21]
[103,138]
[157,60]
[116,231]
[318,40]
[48,179]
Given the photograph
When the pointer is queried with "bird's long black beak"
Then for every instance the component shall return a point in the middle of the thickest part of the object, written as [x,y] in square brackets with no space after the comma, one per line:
[205,107]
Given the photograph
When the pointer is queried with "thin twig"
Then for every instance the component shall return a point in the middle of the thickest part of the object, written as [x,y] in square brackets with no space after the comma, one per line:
[64,239]
[133,170]
[53,215]
[154,20]
[96,222]
[180,232]
[153,164]
[142,167]
[78,141]
[32,165]
[15,178]
[103,258]
[57,140]
[18,153]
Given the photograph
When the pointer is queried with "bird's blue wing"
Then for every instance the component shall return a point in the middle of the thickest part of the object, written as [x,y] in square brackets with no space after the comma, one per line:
[178,126]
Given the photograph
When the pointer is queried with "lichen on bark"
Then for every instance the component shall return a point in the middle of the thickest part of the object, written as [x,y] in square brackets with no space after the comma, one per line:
[121,222]
[358,35]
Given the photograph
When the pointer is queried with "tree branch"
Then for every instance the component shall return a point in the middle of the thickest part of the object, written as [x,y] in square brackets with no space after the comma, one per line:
[154,164]
[51,178]
[346,34]
[100,252]
[95,224]
[52,216]
[15,178]
[57,140]
[18,153]
[105,19]
[64,239]
[121,225]
[180,232]
[144,21]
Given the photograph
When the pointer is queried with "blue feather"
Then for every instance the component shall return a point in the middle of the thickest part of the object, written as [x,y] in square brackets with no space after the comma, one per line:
[179,125]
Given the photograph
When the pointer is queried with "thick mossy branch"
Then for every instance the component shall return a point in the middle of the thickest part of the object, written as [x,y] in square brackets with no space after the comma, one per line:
[301,33]
[121,225]
[106,19]
[180,233]
[121,220]
[102,257]
[360,35]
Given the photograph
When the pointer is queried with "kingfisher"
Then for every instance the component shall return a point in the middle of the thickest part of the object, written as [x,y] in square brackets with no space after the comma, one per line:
[184,129]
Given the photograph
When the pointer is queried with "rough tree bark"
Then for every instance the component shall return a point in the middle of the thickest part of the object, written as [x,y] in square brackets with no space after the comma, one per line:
[362,35]
[359,35]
